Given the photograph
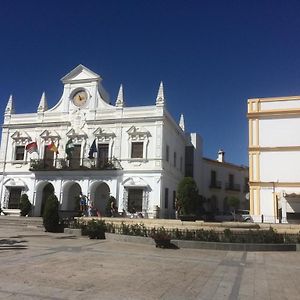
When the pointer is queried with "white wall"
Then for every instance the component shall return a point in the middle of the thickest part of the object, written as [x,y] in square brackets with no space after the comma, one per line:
[279,132]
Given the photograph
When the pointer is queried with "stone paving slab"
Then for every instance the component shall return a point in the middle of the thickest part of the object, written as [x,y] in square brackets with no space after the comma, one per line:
[60,266]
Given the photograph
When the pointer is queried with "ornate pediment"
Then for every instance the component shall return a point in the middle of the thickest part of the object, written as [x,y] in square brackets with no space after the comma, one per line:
[76,133]
[139,132]
[80,74]
[21,137]
[135,182]
[47,134]
[103,134]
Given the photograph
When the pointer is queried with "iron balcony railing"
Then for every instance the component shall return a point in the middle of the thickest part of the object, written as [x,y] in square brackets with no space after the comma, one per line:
[233,187]
[74,164]
[215,185]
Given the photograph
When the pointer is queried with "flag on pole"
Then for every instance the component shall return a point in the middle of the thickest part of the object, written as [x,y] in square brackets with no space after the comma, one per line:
[93,149]
[53,148]
[69,149]
[31,147]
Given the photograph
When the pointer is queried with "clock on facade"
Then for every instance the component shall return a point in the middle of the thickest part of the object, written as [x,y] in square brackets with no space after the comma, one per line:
[80,98]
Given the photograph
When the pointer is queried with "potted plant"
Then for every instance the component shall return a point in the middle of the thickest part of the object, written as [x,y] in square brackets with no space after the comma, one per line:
[161,237]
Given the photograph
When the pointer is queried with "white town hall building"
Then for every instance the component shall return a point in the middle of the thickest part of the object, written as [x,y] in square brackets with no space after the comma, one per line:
[86,145]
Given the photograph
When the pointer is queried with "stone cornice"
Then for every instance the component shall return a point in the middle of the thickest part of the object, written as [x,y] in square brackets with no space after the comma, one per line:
[35,124]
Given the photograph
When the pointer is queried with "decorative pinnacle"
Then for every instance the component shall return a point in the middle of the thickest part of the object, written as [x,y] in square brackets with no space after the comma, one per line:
[160,99]
[181,122]
[43,103]
[120,97]
[10,106]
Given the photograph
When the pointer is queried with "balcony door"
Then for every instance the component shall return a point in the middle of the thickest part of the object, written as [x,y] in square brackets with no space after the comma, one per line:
[48,158]
[102,155]
[75,160]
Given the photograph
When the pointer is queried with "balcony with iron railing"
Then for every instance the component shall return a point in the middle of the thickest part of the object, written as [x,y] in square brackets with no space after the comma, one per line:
[233,187]
[73,164]
[215,184]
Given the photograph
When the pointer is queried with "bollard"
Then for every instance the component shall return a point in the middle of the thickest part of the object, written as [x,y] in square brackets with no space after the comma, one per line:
[262,218]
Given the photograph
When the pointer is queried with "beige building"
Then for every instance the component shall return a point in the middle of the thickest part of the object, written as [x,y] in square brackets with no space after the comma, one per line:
[274,159]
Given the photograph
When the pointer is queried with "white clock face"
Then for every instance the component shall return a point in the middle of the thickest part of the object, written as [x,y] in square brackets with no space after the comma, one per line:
[80,98]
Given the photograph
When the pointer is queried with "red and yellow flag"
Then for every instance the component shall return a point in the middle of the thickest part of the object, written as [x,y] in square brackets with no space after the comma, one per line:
[53,148]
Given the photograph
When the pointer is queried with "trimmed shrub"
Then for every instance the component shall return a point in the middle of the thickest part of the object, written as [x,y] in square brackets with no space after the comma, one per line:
[25,205]
[108,212]
[96,229]
[189,202]
[50,216]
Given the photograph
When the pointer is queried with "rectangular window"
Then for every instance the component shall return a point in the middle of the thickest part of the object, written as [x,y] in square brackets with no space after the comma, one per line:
[167,152]
[166,197]
[175,159]
[137,149]
[213,178]
[135,200]
[231,180]
[20,151]
[14,198]
[102,155]
[189,161]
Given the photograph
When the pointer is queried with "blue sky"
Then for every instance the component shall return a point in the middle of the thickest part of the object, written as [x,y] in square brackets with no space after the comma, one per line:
[211,55]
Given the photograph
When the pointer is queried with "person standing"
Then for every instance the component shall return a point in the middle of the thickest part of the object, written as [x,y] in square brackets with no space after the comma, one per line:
[90,206]
[82,202]
[112,208]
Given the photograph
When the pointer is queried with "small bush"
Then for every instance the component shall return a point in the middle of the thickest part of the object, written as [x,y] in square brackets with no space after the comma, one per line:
[110,228]
[50,216]
[25,205]
[160,234]
[96,229]
[125,229]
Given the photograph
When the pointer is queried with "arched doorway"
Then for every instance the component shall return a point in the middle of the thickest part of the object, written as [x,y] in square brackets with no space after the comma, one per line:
[99,195]
[71,192]
[43,190]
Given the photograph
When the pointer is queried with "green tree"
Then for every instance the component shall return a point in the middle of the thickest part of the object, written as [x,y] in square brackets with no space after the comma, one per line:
[188,199]
[50,216]
[25,205]
[233,202]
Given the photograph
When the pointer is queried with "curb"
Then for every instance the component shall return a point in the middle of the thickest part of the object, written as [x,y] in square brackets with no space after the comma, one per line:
[235,246]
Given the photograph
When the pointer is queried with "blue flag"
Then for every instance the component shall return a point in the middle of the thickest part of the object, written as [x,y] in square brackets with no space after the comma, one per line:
[93,149]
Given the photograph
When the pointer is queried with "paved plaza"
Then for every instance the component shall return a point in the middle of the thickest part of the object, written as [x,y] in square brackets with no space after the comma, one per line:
[39,265]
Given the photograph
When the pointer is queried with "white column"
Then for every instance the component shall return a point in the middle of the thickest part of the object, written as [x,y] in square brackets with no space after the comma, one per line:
[283,208]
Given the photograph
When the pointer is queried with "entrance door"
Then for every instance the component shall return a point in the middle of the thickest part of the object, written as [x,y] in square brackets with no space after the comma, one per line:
[135,200]
[14,198]
[102,155]
[75,160]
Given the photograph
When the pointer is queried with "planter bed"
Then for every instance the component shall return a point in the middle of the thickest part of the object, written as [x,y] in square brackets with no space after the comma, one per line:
[207,245]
